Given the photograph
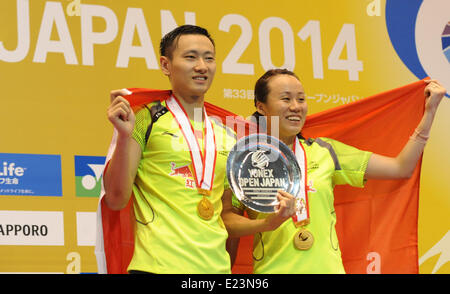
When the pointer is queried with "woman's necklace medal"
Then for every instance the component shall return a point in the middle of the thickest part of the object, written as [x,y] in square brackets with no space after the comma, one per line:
[303,239]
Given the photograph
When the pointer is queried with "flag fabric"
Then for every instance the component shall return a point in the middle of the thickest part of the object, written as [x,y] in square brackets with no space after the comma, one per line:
[376,225]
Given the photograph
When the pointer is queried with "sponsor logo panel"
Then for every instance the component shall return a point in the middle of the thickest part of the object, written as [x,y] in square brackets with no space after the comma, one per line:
[31,228]
[86,228]
[30,174]
[88,175]
[420,33]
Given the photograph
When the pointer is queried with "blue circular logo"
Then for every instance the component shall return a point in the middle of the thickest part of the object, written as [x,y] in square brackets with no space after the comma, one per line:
[420,34]
[446,41]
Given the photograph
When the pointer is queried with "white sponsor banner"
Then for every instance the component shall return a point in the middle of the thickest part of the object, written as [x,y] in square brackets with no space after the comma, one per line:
[86,224]
[31,228]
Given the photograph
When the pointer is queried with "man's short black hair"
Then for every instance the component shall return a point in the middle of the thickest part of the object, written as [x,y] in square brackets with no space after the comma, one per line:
[168,42]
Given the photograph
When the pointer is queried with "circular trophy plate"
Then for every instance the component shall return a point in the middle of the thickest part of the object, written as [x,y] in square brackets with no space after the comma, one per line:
[257,167]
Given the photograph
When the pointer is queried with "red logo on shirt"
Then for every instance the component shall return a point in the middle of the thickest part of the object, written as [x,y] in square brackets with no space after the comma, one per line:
[185,172]
[310,187]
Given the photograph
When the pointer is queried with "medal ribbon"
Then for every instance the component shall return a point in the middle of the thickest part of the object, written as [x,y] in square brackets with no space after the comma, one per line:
[203,165]
[301,217]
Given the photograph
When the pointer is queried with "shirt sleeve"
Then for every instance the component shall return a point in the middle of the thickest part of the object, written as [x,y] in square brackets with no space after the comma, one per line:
[143,120]
[225,143]
[236,203]
[226,184]
[351,164]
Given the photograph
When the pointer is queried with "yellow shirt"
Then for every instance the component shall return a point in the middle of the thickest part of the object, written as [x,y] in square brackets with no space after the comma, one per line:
[170,237]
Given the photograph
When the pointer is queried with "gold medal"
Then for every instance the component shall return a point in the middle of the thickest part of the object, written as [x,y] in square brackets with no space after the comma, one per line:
[205,209]
[303,240]
[204,192]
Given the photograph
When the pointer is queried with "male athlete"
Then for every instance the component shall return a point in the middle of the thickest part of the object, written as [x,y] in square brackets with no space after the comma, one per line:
[177,171]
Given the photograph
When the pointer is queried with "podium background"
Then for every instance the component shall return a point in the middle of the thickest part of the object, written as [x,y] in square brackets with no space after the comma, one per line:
[56,77]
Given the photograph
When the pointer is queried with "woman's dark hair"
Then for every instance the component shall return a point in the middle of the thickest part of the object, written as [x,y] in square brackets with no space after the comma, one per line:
[169,41]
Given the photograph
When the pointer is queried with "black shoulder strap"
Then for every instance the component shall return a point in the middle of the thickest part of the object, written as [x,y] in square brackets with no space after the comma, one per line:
[156,111]
[220,124]
[328,146]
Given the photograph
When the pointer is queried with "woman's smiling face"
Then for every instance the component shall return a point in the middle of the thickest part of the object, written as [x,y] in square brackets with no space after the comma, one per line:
[285,100]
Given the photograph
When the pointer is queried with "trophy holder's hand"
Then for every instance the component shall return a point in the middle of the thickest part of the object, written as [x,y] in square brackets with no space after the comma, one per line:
[284,210]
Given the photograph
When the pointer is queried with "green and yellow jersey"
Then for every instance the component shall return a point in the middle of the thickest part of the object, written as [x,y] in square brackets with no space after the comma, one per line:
[170,237]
